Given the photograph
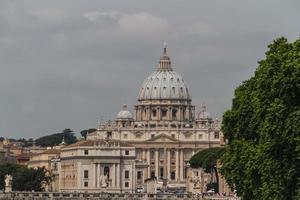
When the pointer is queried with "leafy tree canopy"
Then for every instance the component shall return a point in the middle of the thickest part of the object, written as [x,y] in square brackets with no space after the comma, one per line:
[263,128]
[87,131]
[56,139]
[207,158]
[24,179]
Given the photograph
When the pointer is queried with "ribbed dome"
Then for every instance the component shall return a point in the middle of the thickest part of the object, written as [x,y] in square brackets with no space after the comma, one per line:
[164,83]
[124,113]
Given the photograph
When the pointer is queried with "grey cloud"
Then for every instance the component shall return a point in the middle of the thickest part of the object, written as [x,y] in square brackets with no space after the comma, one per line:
[67,64]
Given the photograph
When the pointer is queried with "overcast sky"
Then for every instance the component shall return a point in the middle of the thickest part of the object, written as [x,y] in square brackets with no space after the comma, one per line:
[71,63]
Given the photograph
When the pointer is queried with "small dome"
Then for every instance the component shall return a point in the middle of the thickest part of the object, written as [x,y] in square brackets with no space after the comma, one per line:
[124,113]
[203,114]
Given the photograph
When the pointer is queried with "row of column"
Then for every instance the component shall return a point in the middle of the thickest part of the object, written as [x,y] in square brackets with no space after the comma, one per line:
[114,174]
[145,113]
[179,163]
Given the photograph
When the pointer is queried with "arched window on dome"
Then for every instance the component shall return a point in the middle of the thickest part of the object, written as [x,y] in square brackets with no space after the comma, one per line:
[164,112]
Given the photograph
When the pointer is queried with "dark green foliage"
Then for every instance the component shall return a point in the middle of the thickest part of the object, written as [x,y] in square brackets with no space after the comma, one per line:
[263,128]
[207,159]
[24,179]
[56,139]
[213,186]
[87,131]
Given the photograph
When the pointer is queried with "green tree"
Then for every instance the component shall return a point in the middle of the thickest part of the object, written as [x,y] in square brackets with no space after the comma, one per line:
[87,131]
[207,159]
[24,179]
[263,128]
[56,138]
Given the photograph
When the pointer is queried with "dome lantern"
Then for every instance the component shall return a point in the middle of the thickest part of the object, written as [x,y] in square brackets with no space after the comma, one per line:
[165,61]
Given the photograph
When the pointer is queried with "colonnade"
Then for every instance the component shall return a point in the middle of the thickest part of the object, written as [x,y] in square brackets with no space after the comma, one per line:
[114,174]
[172,160]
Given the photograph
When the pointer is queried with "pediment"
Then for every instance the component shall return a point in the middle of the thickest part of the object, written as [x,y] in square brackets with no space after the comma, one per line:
[188,133]
[162,138]
[139,133]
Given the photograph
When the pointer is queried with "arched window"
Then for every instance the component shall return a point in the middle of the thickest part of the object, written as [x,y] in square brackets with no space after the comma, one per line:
[106,171]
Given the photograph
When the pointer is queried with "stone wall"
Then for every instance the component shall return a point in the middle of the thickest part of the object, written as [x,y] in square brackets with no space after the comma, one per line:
[103,196]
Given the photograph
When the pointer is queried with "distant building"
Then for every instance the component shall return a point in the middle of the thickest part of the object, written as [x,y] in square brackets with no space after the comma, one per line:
[43,159]
[165,130]
[96,165]
[152,147]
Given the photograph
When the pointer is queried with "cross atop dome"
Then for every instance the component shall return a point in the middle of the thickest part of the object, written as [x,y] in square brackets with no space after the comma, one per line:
[165,48]
[165,61]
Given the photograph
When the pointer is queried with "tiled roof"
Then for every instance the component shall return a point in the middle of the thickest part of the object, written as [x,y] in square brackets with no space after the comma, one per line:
[84,143]
[51,151]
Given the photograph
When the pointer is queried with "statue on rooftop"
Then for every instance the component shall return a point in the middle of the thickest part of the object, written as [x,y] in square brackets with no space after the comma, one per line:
[8,182]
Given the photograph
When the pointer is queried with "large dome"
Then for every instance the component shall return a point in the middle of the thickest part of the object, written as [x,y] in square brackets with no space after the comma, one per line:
[164,83]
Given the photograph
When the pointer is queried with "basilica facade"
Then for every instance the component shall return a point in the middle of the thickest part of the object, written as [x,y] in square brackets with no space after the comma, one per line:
[154,143]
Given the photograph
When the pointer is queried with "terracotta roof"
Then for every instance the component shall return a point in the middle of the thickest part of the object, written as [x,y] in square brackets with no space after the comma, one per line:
[23,156]
[84,143]
[51,151]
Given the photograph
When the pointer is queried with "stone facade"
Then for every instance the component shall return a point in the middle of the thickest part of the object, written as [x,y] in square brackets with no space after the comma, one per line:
[43,159]
[98,165]
[165,131]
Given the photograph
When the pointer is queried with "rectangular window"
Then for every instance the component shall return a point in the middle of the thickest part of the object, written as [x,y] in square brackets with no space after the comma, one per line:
[86,184]
[161,172]
[217,135]
[126,184]
[153,113]
[126,174]
[108,134]
[86,152]
[152,154]
[164,113]
[172,154]
[86,173]
[161,154]
[126,152]
[173,175]
[139,175]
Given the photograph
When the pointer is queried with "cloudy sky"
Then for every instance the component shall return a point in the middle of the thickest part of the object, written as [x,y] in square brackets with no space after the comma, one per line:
[71,63]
